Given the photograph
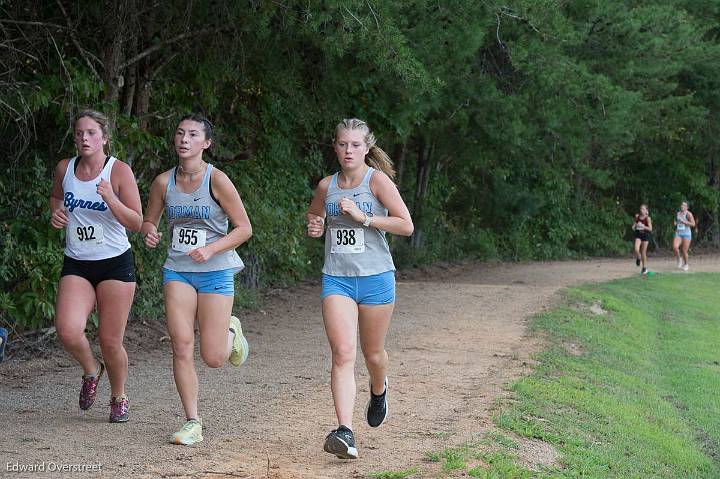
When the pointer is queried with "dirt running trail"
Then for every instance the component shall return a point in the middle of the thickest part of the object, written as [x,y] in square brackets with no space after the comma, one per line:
[458,338]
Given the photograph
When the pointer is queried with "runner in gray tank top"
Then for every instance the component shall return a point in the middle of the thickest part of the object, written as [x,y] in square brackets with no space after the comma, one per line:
[201,263]
[684,222]
[354,208]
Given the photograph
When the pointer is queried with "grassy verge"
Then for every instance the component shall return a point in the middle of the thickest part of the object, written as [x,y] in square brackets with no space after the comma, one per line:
[631,390]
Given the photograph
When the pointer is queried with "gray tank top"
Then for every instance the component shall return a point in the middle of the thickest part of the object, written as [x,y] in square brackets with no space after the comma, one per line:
[195,220]
[352,249]
[682,227]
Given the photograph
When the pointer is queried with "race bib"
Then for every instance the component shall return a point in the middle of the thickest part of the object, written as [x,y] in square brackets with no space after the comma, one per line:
[186,239]
[87,236]
[681,226]
[347,240]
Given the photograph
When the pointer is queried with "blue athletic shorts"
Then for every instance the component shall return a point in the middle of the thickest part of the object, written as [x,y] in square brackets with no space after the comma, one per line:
[683,235]
[215,282]
[375,289]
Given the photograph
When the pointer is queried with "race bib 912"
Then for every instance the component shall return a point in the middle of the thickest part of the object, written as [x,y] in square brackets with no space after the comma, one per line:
[86,236]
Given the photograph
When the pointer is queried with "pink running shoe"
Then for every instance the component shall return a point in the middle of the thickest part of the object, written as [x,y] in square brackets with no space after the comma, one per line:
[88,391]
[119,409]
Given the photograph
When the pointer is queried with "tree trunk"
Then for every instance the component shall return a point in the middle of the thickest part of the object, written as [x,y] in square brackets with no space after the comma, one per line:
[421,183]
[714,182]
[113,54]
[399,159]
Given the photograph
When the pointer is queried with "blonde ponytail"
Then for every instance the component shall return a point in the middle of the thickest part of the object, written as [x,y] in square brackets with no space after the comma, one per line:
[376,157]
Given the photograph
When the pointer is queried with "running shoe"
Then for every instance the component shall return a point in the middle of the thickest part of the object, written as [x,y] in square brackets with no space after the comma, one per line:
[680,263]
[240,347]
[644,271]
[637,261]
[685,267]
[3,342]
[341,442]
[119,409]
[189,434]
[88,391]
[376,410]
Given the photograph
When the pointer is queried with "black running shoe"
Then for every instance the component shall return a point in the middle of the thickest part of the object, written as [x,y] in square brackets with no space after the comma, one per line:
[341,442]
[376,410]
[637,261]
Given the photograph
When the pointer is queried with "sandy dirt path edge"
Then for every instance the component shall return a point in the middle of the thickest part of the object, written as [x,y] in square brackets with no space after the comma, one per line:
[459,338]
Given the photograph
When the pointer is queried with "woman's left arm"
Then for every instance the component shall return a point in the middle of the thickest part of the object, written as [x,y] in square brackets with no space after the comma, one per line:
[122,196]
[690,220]
[229,199]
[649,225]
[398,220]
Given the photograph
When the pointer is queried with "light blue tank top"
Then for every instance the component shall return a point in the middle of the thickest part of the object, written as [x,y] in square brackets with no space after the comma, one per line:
[682,228]
[352,249]
[194,220]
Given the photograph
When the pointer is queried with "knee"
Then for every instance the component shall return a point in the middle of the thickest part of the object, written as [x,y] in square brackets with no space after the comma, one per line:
[212,359]
[110,344]
[183,348]
[375,358]
[70,336]
[343,354]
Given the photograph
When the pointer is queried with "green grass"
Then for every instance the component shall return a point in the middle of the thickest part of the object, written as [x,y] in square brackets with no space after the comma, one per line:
[432,456]
[636,396]
[394,474]
[643,398]
[454,459]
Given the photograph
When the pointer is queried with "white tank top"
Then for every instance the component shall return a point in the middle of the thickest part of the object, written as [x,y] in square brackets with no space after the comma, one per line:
[93,232]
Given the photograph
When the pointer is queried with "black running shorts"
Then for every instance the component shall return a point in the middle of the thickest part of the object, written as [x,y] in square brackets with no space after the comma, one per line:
[642,235]
[119,268]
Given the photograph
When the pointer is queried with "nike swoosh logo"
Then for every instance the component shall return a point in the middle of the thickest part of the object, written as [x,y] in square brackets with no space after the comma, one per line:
[195,199]
[357,194]
[219,287]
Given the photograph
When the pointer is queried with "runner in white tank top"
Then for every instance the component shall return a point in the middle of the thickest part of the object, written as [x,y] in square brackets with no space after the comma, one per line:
[361,205]
[95,199]
[198,275]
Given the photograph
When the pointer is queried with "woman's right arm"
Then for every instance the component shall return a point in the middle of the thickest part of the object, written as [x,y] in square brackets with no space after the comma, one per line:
[316,211]
[153,213]
[58,215]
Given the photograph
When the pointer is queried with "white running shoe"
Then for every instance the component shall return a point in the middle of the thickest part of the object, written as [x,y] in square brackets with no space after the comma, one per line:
[240,346]
[685,267]
[680,263]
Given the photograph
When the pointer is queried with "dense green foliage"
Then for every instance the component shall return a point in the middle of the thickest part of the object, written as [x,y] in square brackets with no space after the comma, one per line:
[521,129]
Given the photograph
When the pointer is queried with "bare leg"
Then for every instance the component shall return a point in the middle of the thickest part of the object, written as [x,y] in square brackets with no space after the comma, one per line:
[643,251]
[676,248]
[374,323]
[75,302]
[213,313]
[340,315]
[685,249]
[180,307]
[114,301]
